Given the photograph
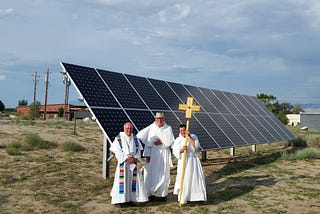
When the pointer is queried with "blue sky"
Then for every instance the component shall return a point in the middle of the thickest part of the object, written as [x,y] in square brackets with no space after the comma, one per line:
[243,46]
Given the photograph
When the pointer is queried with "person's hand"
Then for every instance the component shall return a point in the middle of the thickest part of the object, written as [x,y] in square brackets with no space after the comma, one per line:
[184,148]
[147,159]
[131,159]
[158,142]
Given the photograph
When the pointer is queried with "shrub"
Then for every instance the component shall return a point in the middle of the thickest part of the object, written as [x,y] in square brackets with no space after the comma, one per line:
[305,154]
[14,148]
[33,140]
[46,145]
[314,141]
[298,142]
[72,147]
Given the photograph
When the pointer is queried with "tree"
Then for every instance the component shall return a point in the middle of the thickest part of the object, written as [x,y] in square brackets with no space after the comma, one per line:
[280,110]
[2,107]
[22,102]
[34,114]
[60,112]
[296,109]
[266,99]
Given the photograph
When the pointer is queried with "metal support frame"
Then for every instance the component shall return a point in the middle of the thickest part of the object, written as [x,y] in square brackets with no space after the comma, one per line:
[204,155]
[106,158]
[254,147]
[232,151]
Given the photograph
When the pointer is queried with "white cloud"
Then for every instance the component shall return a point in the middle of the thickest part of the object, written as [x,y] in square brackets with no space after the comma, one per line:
[5,12]
[174,13]
[2,77]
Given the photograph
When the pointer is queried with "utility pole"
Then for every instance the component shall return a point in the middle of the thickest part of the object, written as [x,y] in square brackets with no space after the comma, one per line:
[67,82]
[46,95]
[34,94]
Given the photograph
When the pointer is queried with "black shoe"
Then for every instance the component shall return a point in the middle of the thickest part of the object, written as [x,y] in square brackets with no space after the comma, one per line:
[152,198]
[163,199]
[120,205]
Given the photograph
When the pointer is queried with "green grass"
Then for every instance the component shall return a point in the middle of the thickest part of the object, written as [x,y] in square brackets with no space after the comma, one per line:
[72,147]
[31,142]
[304,154]
[34,141]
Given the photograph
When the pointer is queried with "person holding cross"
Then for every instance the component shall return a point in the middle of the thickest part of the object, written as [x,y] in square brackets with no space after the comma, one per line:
[194,187]
[128,185]
[158,138]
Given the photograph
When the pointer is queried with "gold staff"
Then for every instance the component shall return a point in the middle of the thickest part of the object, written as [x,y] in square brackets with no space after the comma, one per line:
[189,107]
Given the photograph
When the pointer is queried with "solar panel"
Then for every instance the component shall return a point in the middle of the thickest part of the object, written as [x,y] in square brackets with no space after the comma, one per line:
[226,119]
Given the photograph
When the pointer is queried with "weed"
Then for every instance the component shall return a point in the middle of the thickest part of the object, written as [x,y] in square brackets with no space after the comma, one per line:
[72,147]
[33,140]
[14,148]
[305,154]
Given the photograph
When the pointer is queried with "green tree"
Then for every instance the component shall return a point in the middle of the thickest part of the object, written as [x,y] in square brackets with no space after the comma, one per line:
[296,109]
[34,114]
[2,107]
[280,110]
[22,102]
[266,99]
[60,112]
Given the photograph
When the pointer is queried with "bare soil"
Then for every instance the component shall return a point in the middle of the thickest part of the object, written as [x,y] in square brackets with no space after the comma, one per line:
[58,181]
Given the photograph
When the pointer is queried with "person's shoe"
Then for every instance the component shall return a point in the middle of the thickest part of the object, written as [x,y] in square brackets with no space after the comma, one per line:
[152,198]
[120,205]
[163,199]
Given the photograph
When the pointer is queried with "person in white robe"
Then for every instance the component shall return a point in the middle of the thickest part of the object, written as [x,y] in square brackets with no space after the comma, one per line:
[194,187]
[128,185]
[158,138]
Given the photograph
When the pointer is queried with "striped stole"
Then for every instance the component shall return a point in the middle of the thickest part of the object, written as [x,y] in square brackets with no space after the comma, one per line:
[122,171]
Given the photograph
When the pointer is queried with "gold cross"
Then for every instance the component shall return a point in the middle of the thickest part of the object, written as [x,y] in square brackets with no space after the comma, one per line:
[189,107]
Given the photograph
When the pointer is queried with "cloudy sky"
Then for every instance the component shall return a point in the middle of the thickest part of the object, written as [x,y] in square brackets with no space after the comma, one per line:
[243,46]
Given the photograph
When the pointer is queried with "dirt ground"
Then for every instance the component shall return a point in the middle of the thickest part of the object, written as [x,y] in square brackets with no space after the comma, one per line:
[58,181]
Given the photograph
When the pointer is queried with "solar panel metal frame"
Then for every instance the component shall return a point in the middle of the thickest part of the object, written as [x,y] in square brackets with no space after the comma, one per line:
[226,119]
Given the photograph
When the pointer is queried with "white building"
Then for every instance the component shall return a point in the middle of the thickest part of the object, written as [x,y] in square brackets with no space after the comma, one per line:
[293,119]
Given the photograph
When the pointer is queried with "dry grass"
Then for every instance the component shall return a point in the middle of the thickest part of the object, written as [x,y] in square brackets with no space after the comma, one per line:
[54,180]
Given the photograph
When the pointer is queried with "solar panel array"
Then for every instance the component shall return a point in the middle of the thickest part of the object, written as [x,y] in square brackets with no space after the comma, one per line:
[226,119]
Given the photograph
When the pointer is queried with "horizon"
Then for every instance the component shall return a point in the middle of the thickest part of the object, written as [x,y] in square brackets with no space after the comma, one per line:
[248,47]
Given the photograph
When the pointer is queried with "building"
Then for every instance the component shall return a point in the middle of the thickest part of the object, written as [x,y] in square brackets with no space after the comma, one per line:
[311,120]
[293,119]
[53,111]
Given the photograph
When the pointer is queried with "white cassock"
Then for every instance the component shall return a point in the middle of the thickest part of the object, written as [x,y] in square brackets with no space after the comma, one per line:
[157,171]
[128,183]
[194,187]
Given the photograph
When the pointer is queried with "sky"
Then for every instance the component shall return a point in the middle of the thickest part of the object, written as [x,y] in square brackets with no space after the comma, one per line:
[241,46]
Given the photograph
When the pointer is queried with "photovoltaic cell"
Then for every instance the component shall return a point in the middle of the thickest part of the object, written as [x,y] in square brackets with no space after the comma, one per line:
[252,129]
[197,128]
[200,99]
[246,135]
[147,92]
[232,134]
[221,108]
[261,128]
[180,90]
[226,102]
[96,94]
[122,90]
[166,93]
[226,119]
[111,120]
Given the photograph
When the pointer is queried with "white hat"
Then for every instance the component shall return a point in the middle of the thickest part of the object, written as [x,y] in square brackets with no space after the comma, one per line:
[159,115]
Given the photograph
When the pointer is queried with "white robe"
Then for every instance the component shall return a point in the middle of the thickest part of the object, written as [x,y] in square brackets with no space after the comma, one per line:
[157,171]
[128,148]
[194,187]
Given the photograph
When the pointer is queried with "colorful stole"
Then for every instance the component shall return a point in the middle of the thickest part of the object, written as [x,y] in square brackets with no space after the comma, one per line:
[121,167]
